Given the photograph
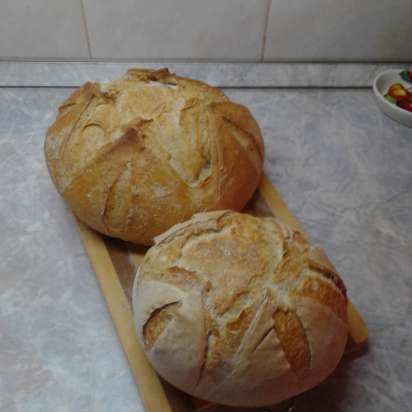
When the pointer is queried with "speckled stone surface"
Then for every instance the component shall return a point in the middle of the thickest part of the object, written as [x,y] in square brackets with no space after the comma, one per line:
[344,169]
[73,74]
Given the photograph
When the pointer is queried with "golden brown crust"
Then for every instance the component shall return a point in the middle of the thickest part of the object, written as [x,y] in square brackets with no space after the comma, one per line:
[293,340]
[270,315]
[172,147]
[157,322]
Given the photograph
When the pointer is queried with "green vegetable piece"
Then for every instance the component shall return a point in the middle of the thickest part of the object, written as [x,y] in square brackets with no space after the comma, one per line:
[406,75]
[390,99]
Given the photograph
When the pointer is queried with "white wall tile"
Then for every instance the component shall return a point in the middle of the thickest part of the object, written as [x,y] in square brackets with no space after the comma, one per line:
[339,30]
[42,28]
[212,29]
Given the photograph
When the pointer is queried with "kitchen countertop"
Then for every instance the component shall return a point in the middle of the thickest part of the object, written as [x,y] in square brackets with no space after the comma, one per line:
[344,169]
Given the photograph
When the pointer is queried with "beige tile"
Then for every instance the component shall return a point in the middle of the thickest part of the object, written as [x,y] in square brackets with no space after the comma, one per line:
[42,28]
[213,29]
[339,30]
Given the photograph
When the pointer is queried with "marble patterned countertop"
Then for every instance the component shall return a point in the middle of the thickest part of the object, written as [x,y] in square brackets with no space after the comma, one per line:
[344,169]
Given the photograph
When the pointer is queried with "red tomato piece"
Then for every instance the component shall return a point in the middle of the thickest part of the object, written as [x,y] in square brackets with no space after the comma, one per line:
[397,91]
[405,104]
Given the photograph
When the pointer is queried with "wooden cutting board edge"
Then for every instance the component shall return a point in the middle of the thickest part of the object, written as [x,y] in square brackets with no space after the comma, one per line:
[358,330]
[149,385]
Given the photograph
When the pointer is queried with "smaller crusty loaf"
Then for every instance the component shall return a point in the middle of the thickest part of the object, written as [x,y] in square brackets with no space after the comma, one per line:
[135,156]
[239,310]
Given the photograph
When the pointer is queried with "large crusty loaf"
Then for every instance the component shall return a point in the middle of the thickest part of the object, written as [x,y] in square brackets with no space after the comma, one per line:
[239,310]
[134,156]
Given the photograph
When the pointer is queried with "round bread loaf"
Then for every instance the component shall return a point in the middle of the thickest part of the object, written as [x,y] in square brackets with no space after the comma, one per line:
[239,310]
[135,156]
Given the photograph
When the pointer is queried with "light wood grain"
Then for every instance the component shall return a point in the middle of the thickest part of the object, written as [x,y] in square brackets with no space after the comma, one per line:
[148,383]
[277,205]
[357,327]
[150,387]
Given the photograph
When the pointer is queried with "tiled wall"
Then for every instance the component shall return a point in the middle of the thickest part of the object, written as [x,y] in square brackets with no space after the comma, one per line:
[251,30]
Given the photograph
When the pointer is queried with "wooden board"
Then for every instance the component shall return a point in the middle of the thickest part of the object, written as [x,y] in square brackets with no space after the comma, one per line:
[115,263]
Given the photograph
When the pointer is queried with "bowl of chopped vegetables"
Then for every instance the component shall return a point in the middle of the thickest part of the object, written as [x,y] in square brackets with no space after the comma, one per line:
[393,92]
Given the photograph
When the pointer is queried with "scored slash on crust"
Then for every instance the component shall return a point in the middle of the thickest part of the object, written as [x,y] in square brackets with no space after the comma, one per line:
[238,329]
[200,148]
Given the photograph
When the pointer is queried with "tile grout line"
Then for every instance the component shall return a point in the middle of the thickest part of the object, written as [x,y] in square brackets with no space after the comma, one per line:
[89,49]
[165,60]
[265,29]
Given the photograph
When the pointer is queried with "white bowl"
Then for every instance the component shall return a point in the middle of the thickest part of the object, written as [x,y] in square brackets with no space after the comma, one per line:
[381,85]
